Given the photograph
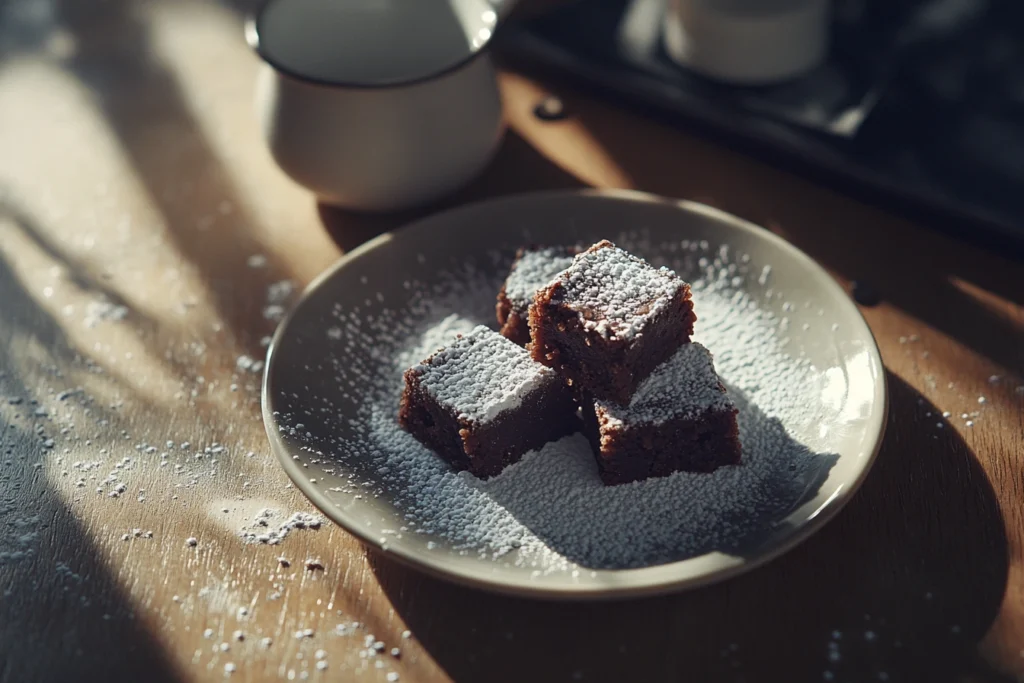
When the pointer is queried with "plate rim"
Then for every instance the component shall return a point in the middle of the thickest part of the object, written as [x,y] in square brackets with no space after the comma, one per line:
[636,587]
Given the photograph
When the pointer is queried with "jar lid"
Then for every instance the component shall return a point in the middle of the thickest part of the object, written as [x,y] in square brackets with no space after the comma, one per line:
[370,43]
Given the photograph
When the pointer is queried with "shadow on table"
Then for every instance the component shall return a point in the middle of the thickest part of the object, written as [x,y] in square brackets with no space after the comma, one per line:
[150,117]
[59,603]
[532,171]
[900,586]
[921,272]
[768,494]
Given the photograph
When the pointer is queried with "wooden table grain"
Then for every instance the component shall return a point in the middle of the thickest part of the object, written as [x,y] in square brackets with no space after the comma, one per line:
[145,239]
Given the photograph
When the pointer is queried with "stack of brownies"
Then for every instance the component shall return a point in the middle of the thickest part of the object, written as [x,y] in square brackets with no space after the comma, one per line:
[596,341]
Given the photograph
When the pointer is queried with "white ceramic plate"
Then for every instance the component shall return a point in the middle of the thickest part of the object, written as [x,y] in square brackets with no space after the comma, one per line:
[789,343]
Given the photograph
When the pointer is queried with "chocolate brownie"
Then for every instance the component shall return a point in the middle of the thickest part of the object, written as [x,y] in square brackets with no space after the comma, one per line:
[680,419]
[608,320]
[533,268]
[482,402]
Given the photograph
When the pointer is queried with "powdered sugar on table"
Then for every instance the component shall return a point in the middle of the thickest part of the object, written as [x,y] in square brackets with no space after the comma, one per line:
[550,512]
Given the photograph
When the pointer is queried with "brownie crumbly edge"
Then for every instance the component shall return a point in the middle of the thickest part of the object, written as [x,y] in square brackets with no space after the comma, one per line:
[542,264]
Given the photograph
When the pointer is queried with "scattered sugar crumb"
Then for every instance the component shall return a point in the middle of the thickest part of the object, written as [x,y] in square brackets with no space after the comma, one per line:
[268,528]
[103,310]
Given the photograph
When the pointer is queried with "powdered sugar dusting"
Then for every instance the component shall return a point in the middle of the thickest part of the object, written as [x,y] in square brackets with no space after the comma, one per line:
[686,385]
[481,375]
[614,292]
[533,269]
[267,527]
[549,512]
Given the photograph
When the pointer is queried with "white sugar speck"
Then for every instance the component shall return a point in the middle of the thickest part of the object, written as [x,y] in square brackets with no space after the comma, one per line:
[270,528]
[103,310]
[230,668]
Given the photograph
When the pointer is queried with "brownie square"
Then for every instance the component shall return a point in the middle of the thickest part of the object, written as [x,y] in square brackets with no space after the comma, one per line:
[680,419]
[482,402]
[608,320]
[533,268]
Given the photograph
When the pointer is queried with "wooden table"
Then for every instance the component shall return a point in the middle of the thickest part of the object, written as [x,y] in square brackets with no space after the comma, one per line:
[141,226]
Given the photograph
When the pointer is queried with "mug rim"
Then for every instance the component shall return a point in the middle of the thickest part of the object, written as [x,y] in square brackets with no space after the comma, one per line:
[252,38]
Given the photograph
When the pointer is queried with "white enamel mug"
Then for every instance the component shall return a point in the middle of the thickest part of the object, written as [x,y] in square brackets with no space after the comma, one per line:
[378,105]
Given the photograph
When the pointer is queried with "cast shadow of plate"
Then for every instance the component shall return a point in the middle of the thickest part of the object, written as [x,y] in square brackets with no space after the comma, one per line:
[741,511]
[900,586]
